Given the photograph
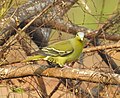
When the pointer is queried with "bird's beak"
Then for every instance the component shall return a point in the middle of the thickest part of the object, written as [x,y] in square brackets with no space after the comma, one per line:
[81,38]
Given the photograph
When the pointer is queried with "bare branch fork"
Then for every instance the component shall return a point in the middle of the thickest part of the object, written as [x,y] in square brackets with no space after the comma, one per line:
[114,21]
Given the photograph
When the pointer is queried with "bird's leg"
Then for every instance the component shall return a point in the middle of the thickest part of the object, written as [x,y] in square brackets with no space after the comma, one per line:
[52,65]
[71,64]
[66,66]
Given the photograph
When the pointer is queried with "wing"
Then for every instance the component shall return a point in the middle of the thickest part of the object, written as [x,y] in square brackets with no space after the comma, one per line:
[61,48]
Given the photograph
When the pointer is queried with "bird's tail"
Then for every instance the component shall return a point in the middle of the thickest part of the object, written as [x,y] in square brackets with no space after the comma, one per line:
[33,58]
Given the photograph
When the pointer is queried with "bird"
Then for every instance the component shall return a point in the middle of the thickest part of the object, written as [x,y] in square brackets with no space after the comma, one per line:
[61,52]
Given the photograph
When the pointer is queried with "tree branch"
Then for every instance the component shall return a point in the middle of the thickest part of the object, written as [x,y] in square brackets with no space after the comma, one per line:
[80,74]
[98,48]
[72,28]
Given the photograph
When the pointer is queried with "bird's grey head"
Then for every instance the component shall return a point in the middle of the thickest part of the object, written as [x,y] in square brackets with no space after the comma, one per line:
[80,35]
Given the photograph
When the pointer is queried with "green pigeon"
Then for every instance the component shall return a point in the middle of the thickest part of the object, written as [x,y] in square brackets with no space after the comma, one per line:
[61,52]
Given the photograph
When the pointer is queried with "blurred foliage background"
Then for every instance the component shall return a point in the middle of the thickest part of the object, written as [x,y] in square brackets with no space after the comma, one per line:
[93,13]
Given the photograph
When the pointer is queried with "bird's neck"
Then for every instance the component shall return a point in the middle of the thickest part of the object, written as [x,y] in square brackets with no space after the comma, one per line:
[76,42]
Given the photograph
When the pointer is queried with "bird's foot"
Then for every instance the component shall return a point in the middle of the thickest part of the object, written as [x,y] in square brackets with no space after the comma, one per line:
[65,66]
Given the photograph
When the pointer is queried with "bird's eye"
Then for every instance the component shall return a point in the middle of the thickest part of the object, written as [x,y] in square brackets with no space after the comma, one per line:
[77,35]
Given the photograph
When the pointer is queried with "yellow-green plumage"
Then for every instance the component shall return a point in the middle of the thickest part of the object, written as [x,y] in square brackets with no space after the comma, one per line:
[64,51]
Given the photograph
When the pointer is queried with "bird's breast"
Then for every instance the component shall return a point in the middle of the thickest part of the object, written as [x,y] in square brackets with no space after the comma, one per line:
[78,47]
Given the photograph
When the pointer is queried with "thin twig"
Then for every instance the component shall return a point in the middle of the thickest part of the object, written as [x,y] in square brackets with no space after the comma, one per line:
[55,89]
[104,47]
